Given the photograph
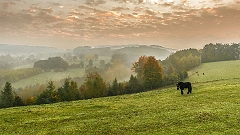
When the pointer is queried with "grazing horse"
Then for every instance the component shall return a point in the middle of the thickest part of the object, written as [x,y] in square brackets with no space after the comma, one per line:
[183,85]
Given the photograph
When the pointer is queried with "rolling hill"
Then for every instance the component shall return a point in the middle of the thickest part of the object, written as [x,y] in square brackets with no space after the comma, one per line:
[215,71]
[129,54]
[19,50]
[131,51]
[212,108]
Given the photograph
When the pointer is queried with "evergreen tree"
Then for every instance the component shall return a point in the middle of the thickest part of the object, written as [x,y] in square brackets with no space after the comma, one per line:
[115,87]
[74,93]
[49,95]
[133,85]
[18,101]
[7,96]
[69,91]
[122,88]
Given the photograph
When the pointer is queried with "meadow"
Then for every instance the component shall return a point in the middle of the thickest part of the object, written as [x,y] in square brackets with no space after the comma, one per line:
[45,77]
[215,71]
[212,108]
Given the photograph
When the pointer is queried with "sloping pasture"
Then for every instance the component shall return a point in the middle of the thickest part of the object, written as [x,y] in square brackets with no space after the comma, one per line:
[212,108]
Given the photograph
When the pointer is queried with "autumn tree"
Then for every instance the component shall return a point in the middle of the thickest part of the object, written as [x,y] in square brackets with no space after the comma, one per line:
[137,67]
[7,96]
[93,87]
[152,73]
[30,100]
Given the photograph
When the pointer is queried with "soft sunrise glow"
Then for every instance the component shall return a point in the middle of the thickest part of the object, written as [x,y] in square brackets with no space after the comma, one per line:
[154,1]
[71,23]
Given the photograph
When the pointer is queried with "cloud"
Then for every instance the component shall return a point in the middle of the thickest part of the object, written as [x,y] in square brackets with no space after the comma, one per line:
[151,12]
[120,9]
[37,8]
[94,2]
[123,21]
[129,1]
[7,4]
[55,4]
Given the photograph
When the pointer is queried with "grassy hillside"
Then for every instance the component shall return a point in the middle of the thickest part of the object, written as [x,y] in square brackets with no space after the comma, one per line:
[47,76]
[215,71]
[212,108]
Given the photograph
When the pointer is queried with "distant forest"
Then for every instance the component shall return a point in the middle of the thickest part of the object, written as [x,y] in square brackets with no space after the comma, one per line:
[148,74]
[220,52]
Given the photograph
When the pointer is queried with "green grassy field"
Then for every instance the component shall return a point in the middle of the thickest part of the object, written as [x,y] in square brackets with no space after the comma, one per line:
[215,71]
[212,108]
[45,77]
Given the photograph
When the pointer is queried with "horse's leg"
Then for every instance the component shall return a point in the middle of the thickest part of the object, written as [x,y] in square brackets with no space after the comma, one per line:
[189,91]
[182,92]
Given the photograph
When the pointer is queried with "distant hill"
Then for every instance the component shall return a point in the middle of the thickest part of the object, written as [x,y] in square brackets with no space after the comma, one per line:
[27,50]
[129,50]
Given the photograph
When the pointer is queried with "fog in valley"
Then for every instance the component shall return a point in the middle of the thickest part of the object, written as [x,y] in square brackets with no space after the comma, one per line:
[19,64]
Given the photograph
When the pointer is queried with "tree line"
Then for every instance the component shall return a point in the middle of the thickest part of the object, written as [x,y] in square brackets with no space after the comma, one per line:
[175,66]
[52,63]
[18,74]
[149,75]
[93,87]
[220,52]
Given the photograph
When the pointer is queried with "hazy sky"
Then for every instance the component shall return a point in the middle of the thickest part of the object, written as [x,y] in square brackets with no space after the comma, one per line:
[70,23]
